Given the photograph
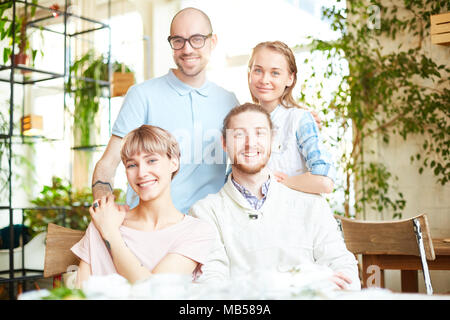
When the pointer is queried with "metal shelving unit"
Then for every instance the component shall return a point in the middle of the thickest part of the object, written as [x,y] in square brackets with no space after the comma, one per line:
[24,75]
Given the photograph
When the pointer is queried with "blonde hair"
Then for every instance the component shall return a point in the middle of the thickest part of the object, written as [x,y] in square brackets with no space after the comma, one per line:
[287,100]
[150,139]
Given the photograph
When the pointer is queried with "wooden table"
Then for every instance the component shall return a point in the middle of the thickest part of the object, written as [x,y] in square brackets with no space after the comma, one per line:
[407,264]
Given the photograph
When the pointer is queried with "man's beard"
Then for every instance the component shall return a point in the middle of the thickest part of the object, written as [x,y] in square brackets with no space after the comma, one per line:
[192,73]
[251,169]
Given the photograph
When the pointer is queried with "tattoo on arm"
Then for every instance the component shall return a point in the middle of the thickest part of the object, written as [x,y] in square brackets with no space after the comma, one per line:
[108,245]
[105,186]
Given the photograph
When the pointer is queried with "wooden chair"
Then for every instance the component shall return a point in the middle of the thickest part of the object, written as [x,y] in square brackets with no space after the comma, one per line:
[401,237]
[58,256]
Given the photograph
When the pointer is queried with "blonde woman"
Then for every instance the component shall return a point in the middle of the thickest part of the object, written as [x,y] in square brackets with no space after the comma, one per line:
[299,160]
[154,237]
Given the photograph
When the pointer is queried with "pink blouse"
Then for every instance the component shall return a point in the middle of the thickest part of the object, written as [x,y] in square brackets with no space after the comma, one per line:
[191,237]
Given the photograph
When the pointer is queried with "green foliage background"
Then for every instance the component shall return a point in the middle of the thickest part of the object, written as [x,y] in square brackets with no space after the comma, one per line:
[59,204]
[383,93]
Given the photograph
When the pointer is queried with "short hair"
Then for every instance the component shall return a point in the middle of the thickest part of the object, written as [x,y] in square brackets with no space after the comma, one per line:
[246,107]
[205,16]
[150,139]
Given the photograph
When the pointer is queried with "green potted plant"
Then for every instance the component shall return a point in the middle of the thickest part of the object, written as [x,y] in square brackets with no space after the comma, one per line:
[83,83]
[24,53]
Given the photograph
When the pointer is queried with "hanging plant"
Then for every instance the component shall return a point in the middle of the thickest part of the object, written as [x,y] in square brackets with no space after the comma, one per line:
[86,91]
[88,80]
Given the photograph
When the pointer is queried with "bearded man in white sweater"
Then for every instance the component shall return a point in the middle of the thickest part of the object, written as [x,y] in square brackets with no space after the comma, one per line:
[262,224]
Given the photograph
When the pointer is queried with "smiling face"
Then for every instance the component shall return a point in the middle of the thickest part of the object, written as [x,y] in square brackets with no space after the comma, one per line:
[192,62]
[151,156]
[248,140]
[268,77]
[150,174]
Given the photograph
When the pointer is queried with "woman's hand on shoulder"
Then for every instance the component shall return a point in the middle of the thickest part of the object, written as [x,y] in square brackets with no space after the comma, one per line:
[107,215]
[280,176]
[316,118]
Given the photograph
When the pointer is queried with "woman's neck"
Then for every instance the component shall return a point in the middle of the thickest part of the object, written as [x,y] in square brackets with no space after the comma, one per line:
[270,106]
[158,212]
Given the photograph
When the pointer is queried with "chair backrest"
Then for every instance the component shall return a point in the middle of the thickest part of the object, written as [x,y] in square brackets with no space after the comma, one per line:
[386,237]
[58,256]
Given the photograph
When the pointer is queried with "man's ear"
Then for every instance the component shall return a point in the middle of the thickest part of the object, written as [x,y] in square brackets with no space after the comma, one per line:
[213,41]
[224,143]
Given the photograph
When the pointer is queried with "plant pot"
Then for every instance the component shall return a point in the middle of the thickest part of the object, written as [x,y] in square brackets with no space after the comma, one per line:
[21,59]
[121,82]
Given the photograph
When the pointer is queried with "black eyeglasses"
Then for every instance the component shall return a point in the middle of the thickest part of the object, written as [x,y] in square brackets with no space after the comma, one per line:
[196,41]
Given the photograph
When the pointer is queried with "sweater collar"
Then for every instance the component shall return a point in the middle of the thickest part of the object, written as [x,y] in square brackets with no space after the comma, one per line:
[254,201]
[230,189]
[183,89]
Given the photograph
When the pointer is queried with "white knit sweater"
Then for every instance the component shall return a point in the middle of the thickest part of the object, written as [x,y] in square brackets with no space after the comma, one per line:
[292,228]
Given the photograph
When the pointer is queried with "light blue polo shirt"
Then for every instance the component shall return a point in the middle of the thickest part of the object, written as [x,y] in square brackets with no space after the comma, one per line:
[195,117]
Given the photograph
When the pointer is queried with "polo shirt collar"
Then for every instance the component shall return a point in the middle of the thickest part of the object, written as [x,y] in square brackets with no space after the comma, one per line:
[183,89]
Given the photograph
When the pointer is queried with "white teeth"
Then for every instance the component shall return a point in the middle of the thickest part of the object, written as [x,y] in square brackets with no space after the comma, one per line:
[142,185]
[252,154]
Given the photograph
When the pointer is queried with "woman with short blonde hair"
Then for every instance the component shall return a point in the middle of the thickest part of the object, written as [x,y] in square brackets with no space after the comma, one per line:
[154,237]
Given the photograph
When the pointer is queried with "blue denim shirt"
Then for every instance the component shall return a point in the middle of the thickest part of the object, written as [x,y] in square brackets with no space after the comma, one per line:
[296,146]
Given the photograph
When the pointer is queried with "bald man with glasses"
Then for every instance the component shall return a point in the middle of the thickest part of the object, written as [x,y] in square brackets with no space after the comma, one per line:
[186,104]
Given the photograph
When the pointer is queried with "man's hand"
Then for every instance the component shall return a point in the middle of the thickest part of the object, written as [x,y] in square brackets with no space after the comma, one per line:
[341,280]
[107,215]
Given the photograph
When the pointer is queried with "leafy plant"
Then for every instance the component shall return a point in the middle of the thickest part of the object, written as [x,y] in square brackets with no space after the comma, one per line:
[64,293]
[17,31]
[83,84]
[382,93]
[59,195]
[58,204]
